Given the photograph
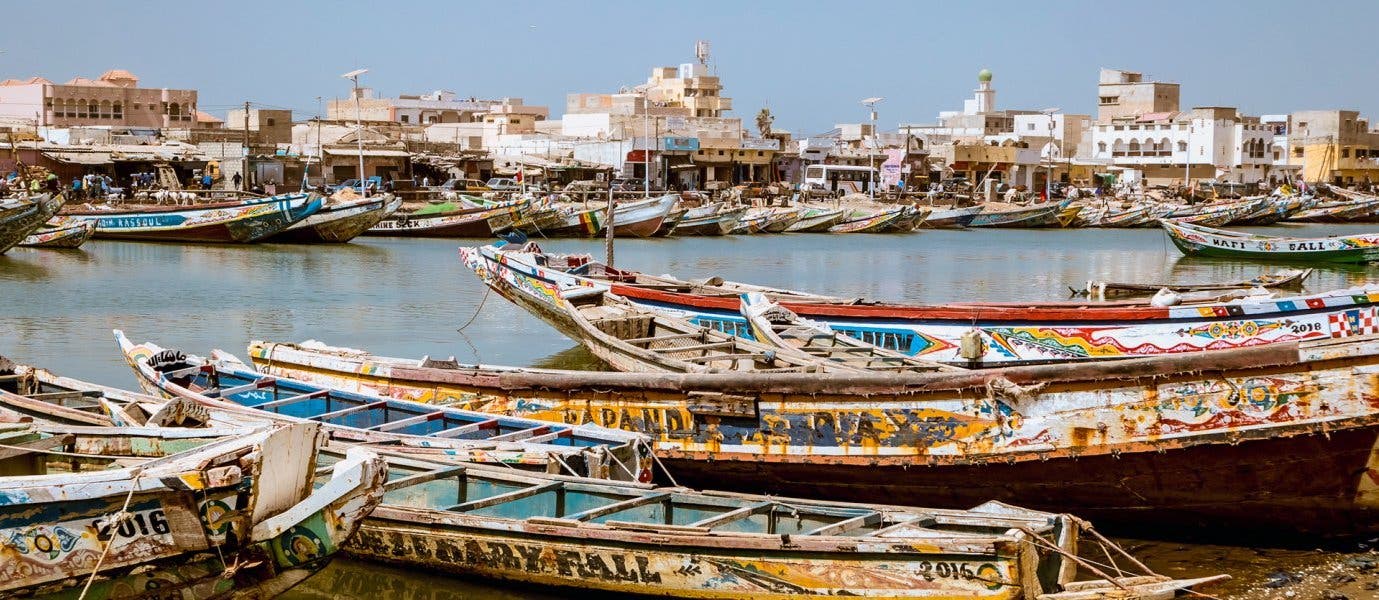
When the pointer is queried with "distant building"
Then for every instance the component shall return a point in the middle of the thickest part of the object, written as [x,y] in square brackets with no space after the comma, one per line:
[1123,94]
[115,99]
[1204,143]
[440,106]
[266,126]
[1333,146]
[978,117]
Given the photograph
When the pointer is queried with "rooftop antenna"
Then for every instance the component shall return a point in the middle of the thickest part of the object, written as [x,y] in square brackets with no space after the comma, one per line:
[701,52]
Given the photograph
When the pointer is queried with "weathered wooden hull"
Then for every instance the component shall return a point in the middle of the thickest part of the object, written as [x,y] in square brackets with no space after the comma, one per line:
[1216,243]
[1280,437]
[642,218]
[338,224]
[869,223]
[241,223]
[818,220]
[471,224]
[721,223]
[950,218]
[19,222]
[1038,216]
[67,236]
[671,221]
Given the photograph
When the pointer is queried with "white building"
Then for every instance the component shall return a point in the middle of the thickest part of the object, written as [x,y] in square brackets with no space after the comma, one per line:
[1204,143]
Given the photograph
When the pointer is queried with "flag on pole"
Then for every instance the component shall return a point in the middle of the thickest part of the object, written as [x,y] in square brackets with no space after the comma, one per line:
[519,174]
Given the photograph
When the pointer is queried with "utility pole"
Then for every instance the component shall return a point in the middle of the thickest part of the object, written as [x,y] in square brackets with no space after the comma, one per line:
[359,124]
[244,165]
[608,224]
[870,103]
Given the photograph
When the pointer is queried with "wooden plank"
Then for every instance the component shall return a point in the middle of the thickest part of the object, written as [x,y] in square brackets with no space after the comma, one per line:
[696,347]
[408,422]
[846,525]
[186,371]
[351,410]
[676,336]
[718,357]
[615,507]
[520,434]
[421,478]
[465,429]
[732,515]
[508,497]
[21,448]
[257,384]
[290,400]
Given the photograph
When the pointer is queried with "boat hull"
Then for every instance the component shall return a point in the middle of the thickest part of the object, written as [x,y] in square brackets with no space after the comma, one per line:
[17,223]
[818,221]
[338,224]
[1212,243]
[67,236]
[873,223]
[1039,216]
[242,223]
[955,218]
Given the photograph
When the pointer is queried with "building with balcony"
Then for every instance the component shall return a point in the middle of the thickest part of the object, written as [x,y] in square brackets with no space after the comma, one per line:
[115,99]
[440,106]
[1210,142]
[1333,146]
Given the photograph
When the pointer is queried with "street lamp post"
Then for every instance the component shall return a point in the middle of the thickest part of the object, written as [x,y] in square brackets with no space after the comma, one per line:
[359,127]
[871,103]
[1048,175]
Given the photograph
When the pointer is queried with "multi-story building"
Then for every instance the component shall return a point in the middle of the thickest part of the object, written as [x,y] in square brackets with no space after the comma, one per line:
[1333,146]
[1209,142]
[440,106]
[115,100]
[266,126]
[1122,94]
[978,117]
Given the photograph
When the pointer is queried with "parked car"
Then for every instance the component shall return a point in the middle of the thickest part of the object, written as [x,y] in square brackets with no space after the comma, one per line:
[464,186]
[374,183]
[503,184]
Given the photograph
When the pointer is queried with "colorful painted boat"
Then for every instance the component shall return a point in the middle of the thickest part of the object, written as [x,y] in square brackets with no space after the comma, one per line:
[69,235]
[950,217]
[998,333]
[1194,240]
[817,219]
[229,222]
[710,219]
[754,220]
[462,222]
[1287,279]
[868,220]
[410,428]
[339,221]
[671,221]
[19,218]
[1040,215]
[1216,215]
[1338,212]
[600,539]
[782,219]
[1278,209]
[914,215]
[642,218]
[235,518]
[1272,440]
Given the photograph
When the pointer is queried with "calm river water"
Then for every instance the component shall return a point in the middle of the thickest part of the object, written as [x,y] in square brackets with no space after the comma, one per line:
[409,298]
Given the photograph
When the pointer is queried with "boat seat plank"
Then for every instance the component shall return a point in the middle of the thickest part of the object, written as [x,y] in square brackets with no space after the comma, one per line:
[697,347]
[846,525]
[718,357]
[408,422]
[466,429]
[676,336]
[421,478]
[507,497]
[292,399]
[254,385]
[732,515]
[616,507]
[39,445]
[351,410]
[521,434]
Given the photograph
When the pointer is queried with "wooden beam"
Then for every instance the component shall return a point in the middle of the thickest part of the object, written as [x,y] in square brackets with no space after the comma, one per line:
[872,518]
[353,409]
[408,422]
[257,384]
[508,497]
[732,515]
[617,507]
[297,398]
[521,434]
[38,445]
[421,478]
[465,429]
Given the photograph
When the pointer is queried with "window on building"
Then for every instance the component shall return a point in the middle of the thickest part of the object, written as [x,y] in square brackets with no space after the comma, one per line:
[405,118]
[1276,155]
[1297,152]
[1302,124]
[1107,100]
[1119,127]
[270,121]
[1182,127]
[1345,152]
[117,110]
[1182,146]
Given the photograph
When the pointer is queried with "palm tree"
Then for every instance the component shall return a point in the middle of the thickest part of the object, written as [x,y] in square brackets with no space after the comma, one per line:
[764,120]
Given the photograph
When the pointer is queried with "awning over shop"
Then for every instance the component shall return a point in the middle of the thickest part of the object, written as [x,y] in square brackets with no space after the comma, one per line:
[79,158]
[374,152]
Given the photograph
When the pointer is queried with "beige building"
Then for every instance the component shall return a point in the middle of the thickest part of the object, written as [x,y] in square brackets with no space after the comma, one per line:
[1125,94]
[440,106]
[266,126]
[115,99]
[1333,146]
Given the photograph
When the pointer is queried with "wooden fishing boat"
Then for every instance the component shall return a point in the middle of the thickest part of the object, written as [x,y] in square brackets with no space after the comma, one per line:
[534,219]
[1346,211]
[782,219]
[577,221]
[1215,215]
[817,219]
[1289,279]
[224,382]
[671,221]
[1273,440]
[868,220]
[235,518]
[601,538]
[754,220]
[61,235]
[460,220]
[19,218]
[227,222]
[774,325]
[1206,241]
[642,218]
[339,221]
[914,215]
[710,219]
[1039,215]
[950,217]
[1279,209]
[1001,333]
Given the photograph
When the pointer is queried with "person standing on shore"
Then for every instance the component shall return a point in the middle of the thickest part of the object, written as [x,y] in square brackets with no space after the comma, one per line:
[238,179]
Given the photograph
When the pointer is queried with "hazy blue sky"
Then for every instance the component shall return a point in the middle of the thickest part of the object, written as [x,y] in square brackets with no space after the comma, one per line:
[809,61]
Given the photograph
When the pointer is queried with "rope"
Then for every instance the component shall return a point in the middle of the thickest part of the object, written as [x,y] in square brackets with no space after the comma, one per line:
[662,466]
[487,290]
[114,521]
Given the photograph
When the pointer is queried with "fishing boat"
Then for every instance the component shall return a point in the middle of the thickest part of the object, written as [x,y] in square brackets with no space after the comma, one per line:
[1274,438]
[1278,209]
[597,538]
[869,220]
[817,219]
[233,518]
[776,326]
[997,333]
[782,219]
[407,427]
[710,219]
[1215,215]
[1290,279]
[339,221]
[19,218]
[1206,241]
[226,222]
[642,218]
[576,221]
[1344,211]
[534,219]
[451,220]
[671,221]
[1039,215]
[950,217]
[60,234]
[754,220]
[914,215]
